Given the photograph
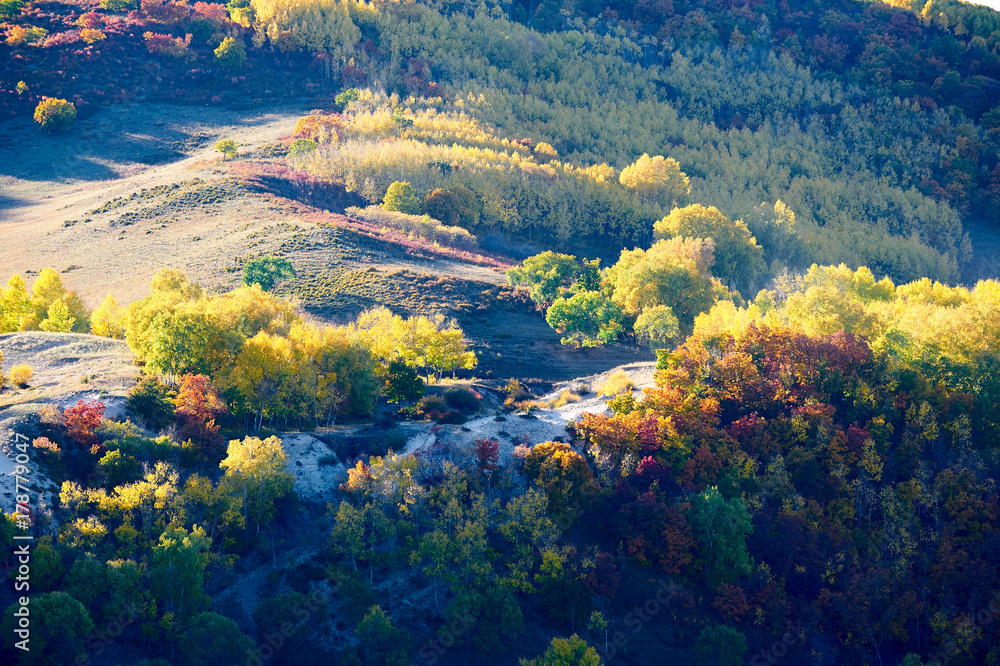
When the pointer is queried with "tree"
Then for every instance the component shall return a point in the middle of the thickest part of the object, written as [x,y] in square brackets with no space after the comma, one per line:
[59,319]
[401,197]
[572,651]
[227,147]
[563,473]
[658,325]
[45,293]
[267,272]
[211,639]
[54,115]
[87,581]
[177,571]
[444,206]
[674,272]
[150,401]
[231,54]
[382,643]
[59,626]
[587,318]
[402,383]
[255,472]
[738,258]
[197,405]
[15,305]
[720,528]
[719,645]
[346,97]
[108,319]
[656,179]
[547,275]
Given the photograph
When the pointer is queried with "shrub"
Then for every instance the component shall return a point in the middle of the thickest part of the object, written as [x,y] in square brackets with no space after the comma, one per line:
[401,197]
[432,406]
[565,397]
[227,147]
[55,115]
[48,448]
[516,394]
[21,375]
[231,53]
[119,5]
[166,45]
[82,420]
[20,35]
[300,147]
[462,399]
[91,35]
[617,382]
[22,87]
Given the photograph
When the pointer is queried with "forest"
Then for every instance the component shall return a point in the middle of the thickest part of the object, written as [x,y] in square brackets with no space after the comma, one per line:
[772,199]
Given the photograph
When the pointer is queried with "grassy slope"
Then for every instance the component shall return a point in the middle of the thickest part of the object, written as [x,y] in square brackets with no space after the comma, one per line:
[136,188]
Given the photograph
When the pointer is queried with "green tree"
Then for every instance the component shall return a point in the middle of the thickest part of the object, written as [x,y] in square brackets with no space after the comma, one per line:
[346,97]
[720,528]
[231,54]
[255,472]
[59,626]
[227,147]
[738,258]
[572,651]
[382,643]
[587,318]
[87,582]
[211,639]
[267,272]
[546,274]
[177,571]
[658,325]
[719,645]
[401,197]
[444,206]
[402,383]
[55,115]
[149,401]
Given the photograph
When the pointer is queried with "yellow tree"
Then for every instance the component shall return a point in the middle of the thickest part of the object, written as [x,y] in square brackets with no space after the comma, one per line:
[58,319]
[656,179]
[672,272]
[15,305]
[255,471]
[738,258]
[263,377]
[48,289]
[108,319]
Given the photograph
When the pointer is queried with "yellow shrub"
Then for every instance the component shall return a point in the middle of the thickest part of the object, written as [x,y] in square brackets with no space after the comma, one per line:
[20,375]
[617,382]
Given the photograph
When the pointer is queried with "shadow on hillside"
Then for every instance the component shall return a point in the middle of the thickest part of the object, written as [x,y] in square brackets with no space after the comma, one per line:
[113,142]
